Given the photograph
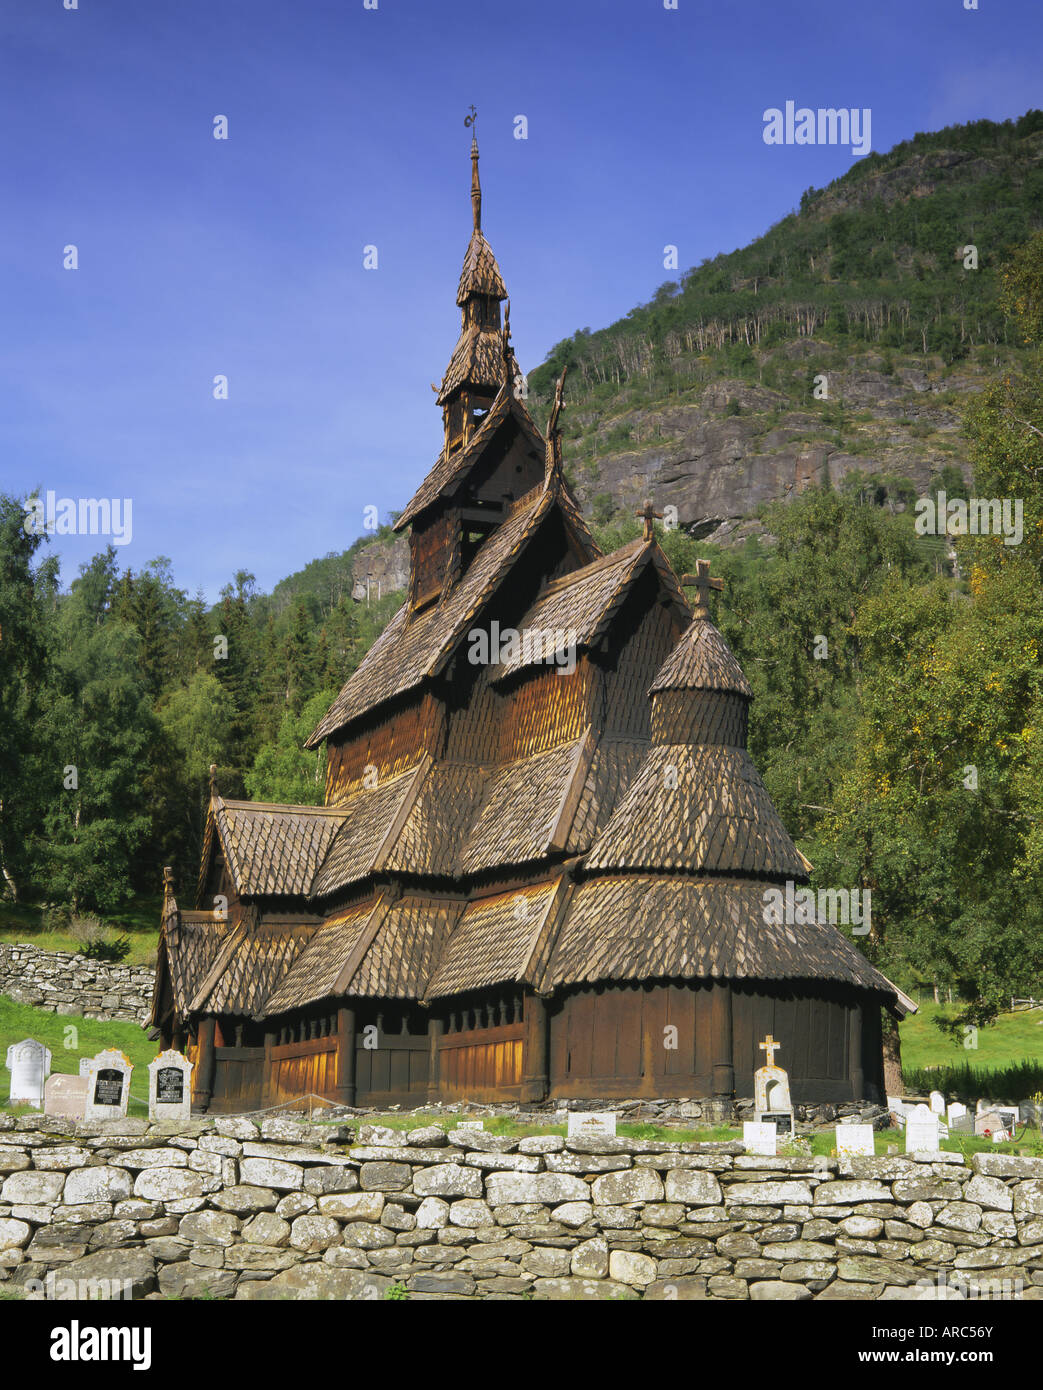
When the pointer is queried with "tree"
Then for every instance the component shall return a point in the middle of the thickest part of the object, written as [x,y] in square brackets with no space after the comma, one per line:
[284,770]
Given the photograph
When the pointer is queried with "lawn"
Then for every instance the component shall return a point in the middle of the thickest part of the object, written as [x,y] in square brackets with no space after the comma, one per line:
[139,922]
[1005,1062]
[70,1038]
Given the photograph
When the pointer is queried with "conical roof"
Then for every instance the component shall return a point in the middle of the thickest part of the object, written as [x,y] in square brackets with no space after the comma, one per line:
[702,660]
[481,274]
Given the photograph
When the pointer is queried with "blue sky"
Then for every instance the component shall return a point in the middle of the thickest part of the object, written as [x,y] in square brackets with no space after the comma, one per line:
[243,257]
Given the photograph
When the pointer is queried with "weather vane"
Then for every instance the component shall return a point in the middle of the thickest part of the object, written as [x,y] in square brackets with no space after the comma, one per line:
[470,120]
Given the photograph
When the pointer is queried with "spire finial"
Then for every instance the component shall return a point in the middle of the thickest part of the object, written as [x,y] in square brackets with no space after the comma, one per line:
[476,187]
[168,882]
[703,584]
[553,465]
[649,515]
[213,779]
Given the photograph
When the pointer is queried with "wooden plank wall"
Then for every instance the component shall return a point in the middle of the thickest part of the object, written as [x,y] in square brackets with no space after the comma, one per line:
[481,1063]
[390,745]
[238,1079]
[303,1068]
[394,1073]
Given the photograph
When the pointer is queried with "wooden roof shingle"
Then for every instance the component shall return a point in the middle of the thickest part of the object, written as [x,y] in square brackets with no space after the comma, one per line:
[498,940]
[480,273]
[654,926]
[702,660]
[407,652]
[371,821]
[699,808]
[315,971]
[273,849]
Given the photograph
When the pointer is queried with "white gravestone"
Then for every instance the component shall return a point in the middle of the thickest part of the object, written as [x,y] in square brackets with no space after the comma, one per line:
[108,1086]
[937,1102]
[759,1138]
[959,1119]
[855,1141]
[600,1123]
[29,1063]
[170,1087]
[771,1097]
[65,1095]
[921,1130]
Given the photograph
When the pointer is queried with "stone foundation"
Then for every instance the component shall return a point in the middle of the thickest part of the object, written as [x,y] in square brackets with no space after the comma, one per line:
[277,1209]
[64,982]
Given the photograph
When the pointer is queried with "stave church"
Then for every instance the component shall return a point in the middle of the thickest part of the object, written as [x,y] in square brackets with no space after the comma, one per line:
[541,865]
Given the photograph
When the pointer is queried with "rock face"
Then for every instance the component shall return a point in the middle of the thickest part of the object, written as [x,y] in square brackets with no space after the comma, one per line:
[65,982]
[81,1217]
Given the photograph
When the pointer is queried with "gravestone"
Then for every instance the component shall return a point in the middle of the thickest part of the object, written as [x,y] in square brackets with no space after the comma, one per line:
[29,1063]
[922,1130]
[601,1123]
[855,1141]
[170,1087]
[760,1138]
[771,1097]
[66,1095]
[960,1119]
[937,1102]
[997,1124]
[108,1086]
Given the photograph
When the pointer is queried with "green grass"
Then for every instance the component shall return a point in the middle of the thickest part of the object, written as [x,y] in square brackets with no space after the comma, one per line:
[139,922]
[88,1037]
[1005,1064]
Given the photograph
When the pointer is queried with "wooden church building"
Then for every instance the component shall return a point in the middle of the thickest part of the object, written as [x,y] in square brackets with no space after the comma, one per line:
[541,864]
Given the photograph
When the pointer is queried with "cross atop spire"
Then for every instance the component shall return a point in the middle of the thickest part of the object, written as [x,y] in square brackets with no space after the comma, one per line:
[476,187]
[703,584]
[648,515]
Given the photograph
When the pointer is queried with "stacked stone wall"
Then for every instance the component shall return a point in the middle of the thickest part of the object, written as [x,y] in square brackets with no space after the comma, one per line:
[65,982]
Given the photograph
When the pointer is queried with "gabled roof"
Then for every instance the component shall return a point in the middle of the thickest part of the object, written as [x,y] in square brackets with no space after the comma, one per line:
[499,940]
[451,470]
[408,652]
[480,273]
[272,849]
[580,605]
[702,660]
[527,810]
[703,809]
[260,959]
[371,822]
[383,949]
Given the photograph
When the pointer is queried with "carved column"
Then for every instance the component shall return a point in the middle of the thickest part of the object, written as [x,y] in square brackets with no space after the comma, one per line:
[435,1029]
[723,1064]
[346,1056]
[535,1080]
[206,1064]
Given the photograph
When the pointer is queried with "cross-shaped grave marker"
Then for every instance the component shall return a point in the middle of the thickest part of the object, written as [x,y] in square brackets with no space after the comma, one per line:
[770,1046]
[703,584]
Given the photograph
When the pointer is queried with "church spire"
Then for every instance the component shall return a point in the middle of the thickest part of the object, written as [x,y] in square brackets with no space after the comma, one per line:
[476,185]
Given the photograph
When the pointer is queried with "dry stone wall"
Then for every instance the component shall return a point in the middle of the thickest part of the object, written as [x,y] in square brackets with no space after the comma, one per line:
[67,983]
[276,1209]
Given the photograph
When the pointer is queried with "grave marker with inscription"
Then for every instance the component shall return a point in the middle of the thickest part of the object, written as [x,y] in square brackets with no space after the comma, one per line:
[922,1130]
[601,1123]
[29,1063]
[66,1095]
[108,1086]
[771,1097]
[760,1138]
[855,1141]
[170,1087]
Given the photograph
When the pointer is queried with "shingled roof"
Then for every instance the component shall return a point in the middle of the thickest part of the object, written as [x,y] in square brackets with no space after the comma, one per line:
[702,660]
[702,809]
[658,926]
[272,848]
[408,652]
[500,939]
[450,470]
[480,273]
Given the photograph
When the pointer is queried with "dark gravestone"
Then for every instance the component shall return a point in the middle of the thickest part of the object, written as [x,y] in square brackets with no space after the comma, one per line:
[170,1086]
[108,1087]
